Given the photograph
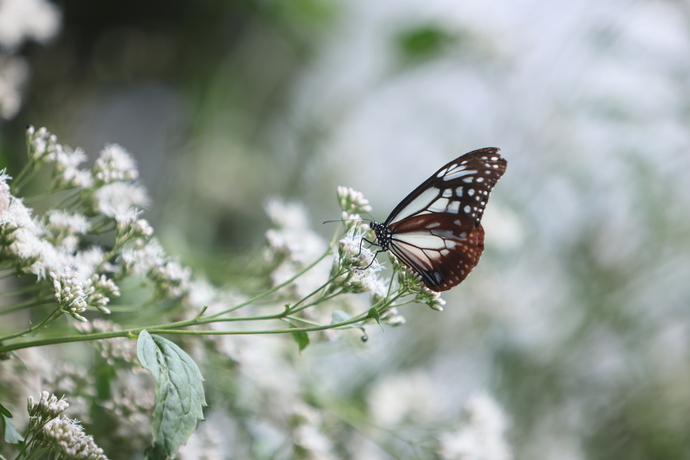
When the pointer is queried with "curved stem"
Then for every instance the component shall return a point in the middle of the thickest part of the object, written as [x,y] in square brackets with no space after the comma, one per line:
[273,289]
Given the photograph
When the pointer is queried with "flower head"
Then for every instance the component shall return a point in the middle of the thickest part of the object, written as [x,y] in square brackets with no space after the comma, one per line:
[115,164]
[69,295]
[67,437]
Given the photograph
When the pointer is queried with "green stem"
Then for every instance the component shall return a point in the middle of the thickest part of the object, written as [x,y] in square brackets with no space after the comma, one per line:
[166,329]
[52,317]
[24,290]
[22,174]
[27,304]
[273,289]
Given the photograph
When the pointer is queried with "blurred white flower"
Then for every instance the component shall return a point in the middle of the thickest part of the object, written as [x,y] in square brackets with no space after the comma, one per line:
[411,396]
[352,203]
[67,163]
[112,350]
[13,73]
[287,215]
[115,164]
[21,20]
[129,226]
[5,195]
[483,435]
[118,198]
[140,257]
[295,245]
[64,228]
[172,279]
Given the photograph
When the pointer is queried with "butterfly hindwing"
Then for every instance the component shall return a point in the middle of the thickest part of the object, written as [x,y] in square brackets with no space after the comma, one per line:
[441,251]
[436,229]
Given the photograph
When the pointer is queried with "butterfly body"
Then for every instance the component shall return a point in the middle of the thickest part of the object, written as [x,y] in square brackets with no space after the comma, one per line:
[436,229]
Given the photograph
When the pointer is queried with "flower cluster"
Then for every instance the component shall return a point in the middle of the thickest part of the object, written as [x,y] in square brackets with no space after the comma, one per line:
[46,408]
[49,428]
[353,204]
[359,265]
[54,247]
[66,437]
[69,295]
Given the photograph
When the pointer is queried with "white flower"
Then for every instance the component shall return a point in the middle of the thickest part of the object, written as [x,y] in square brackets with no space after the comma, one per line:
[5,195]
[69,295]
[129,226]
[171,278]
[115,164]
[13,73]
[142,256]
[63,228]
[27,19]
[48,407]
[99,290]
[67,163]
[42,144]
[68,437]
[292,231]
[287,215]
[404,397]
[119,197]
[352,202]
[483,436]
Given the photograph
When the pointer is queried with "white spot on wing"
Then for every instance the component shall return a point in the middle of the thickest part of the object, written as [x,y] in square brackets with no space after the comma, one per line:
[454,207]
[459,173]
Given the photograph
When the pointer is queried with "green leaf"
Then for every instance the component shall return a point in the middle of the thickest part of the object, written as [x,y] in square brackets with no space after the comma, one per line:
[179,394]
[423,42]
[5,411]
[11,435]
[374,314]
[302,339]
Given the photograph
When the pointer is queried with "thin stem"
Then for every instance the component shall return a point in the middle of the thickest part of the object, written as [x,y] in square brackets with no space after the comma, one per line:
[28,167]
[273,289]
[24,290]
[52,317]
[165,329]
[27,304]
[294,308]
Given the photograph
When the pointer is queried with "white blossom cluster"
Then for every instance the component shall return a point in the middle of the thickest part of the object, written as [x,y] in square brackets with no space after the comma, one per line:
[55,247]
[67,437]
[292,245]
[48,427]
[48,407]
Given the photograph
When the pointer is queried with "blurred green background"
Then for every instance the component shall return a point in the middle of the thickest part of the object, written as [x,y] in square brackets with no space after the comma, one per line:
[576,320]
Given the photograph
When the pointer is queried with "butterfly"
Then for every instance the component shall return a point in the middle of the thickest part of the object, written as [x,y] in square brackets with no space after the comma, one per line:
[436,230]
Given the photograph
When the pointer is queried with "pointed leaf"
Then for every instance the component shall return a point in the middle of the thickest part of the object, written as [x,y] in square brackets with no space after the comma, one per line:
[179,393]
[5,411]
[302,339]
[11,434]
[374,314]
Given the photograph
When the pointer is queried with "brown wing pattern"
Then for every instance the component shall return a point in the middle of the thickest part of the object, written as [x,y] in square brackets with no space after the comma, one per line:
[460,187]
[436,229]
[438,247]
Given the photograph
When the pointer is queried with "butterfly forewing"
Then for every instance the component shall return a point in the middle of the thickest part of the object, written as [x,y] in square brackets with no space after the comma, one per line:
[460,187]
[436,229]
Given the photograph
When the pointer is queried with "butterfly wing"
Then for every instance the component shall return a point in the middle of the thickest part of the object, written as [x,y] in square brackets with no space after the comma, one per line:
[436,229]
